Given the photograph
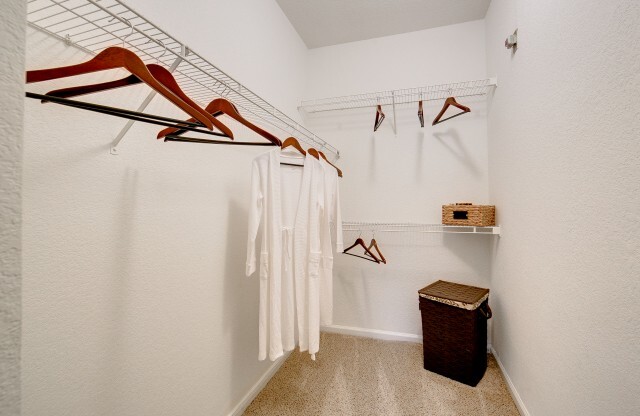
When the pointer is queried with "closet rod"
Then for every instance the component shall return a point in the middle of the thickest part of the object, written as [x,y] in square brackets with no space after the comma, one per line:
[93,25]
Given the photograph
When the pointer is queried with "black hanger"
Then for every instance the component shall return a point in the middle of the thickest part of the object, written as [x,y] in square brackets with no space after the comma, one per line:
[420,114]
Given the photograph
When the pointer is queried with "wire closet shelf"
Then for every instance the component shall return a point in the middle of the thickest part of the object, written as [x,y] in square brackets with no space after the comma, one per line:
[401,96]
[381,227]
[93,25]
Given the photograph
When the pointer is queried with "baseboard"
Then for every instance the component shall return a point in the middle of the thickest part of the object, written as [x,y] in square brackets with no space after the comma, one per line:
[372,333]
[260,384]
[512,388]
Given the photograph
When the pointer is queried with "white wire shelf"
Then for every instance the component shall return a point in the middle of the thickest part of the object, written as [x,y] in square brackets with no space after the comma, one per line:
[402,96]
[93,25]
[417,228]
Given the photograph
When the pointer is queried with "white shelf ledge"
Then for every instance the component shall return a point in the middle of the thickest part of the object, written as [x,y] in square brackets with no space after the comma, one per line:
[418,228]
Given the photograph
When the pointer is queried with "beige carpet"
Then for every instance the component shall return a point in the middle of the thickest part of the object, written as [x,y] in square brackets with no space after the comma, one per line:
[362,376]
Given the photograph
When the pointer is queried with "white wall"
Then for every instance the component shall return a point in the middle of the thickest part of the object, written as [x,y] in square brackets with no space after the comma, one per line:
[563,131]
[404,178]
[12,46]
[135,299]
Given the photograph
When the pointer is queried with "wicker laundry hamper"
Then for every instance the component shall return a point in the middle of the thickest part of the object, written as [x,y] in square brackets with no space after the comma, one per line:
[454,328]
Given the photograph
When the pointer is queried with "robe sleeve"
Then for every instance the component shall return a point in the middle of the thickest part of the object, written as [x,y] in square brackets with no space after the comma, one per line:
[337,216]
[255,214]
[317,195]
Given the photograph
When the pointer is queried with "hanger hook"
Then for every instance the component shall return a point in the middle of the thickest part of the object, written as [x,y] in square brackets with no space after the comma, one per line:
[360,235]
[129,34]
[163,52]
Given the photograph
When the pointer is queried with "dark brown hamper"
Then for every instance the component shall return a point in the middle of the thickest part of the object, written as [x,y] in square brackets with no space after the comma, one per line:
[454,328]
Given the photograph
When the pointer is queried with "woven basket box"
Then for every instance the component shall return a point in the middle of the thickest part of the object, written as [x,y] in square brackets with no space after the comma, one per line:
[454,328]
[464,213]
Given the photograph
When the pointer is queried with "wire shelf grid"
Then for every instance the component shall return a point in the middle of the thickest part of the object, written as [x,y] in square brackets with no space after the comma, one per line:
[380,227]
[93,25]
[401,96]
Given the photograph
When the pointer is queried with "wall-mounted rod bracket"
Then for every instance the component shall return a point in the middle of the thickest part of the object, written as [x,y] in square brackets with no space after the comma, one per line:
[120,137]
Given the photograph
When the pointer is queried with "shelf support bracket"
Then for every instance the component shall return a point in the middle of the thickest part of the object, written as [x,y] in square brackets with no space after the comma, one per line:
[120,137]
[393,104]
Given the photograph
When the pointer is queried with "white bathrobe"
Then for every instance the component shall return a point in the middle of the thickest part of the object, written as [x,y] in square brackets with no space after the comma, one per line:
[275,193]
[284,204]
[307,254]
[331,224]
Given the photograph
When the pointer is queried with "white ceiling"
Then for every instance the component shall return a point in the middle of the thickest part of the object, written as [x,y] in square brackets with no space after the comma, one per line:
[330,22]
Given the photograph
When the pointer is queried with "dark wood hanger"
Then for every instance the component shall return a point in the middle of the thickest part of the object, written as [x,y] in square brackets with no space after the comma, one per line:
[293,142]
[447,103]
[112,58]
[379,118]
[374,244]
[161,74]
[327,160]
[420,113]
[360,242]
[313,152]
[222,106]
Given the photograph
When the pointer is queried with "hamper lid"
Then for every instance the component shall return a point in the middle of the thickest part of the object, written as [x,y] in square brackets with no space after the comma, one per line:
[455,294]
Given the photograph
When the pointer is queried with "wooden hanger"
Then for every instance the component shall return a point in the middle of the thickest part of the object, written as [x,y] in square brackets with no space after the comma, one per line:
[112,58]
[379,118]
[360,242]
[222,106]
[327,160]
[293,142]
[161,74]
[420,113]
[450,102]
[313,152]
[374,244]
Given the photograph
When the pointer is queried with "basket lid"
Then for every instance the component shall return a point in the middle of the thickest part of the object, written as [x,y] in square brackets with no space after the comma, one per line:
[455,294]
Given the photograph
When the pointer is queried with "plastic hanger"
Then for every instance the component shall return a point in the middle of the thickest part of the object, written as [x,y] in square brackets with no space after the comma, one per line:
[327,160]
[447,103]
[420,113]
[112,58]
[222,106]
[360,242]
[379,118]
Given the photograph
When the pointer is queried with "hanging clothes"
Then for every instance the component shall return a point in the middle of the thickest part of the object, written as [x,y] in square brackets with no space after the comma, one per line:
[286,203]
[331,224]
[266,211]
[307,252]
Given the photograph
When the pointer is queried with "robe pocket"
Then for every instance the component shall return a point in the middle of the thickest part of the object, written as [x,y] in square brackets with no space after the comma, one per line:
[264,265]
[314,264]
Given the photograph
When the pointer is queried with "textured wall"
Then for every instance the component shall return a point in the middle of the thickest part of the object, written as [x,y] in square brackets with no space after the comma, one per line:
[12,46]
[564,129]
[404,177]
[135,299]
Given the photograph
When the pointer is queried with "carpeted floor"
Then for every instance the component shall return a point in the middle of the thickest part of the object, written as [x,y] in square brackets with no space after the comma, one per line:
[362,376]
